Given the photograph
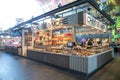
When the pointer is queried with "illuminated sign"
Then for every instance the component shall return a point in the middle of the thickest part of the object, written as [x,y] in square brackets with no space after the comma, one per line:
[90,21]
[59,22]
[53,23]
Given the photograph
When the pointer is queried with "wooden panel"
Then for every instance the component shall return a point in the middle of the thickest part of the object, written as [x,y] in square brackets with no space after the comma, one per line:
[51,58]
[55,59]
[11,49]
[103,58]
[92,63]
[62,60]
[78,63]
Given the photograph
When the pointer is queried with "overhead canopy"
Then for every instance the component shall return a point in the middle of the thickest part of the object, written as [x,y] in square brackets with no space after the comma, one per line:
[16,33]
[88,5]
[94,36]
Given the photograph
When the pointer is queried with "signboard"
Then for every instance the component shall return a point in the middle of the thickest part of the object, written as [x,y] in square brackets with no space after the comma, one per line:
[92,22]
[93,36]
[56,22]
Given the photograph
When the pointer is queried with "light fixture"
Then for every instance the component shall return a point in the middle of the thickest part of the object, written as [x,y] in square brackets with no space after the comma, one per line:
[88,8]
[59,5]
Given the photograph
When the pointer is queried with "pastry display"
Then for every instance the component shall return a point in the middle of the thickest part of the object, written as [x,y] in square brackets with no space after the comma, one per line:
[66,40]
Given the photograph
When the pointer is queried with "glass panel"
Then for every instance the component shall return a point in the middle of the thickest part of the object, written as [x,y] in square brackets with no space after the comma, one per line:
[69,13]
[79,10]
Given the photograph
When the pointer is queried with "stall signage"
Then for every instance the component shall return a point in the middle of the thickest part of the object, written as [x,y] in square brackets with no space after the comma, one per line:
[59,22]
[92,22]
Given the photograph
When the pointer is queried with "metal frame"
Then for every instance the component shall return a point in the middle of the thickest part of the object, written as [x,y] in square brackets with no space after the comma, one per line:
[76,3]
[96,6]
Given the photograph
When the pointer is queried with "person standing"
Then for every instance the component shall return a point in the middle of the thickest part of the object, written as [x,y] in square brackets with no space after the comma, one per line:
[90,43]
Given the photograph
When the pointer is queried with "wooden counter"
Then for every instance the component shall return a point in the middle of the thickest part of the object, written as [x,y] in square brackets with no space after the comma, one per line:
[82,64]
[11,49]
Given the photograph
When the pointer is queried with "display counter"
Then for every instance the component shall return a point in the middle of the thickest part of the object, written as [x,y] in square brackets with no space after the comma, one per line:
[17,50]
[76,50]
[84,64]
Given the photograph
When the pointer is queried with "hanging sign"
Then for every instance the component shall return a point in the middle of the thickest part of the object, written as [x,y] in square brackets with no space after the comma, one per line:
[92,22]
[59,22]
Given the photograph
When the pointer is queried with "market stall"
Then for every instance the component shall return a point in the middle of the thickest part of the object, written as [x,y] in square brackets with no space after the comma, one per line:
[81,46]
[13,45]
[62,35]
[73,37]
[84,64]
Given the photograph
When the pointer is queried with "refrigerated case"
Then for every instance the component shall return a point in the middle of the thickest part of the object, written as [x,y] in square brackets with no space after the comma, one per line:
[55,35]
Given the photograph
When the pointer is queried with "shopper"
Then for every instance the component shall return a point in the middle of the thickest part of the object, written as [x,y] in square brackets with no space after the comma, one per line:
[114,46]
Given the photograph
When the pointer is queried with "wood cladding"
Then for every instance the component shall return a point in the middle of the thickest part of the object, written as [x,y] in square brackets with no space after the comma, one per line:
[77,63]
[55,59]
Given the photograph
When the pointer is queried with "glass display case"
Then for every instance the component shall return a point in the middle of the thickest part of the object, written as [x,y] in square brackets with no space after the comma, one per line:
[59,41]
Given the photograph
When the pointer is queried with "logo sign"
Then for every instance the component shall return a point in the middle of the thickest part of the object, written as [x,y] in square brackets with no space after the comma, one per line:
[92,22]
[59,22]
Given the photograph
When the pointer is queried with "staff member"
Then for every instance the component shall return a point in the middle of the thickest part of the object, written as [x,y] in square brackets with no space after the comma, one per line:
[89,43]
[71,44]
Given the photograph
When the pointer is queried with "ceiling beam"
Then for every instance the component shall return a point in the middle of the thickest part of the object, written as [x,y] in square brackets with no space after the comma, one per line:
[96,6]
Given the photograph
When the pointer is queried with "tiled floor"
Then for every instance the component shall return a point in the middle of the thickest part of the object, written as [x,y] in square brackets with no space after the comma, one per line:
[17,68]
[110,71]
